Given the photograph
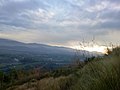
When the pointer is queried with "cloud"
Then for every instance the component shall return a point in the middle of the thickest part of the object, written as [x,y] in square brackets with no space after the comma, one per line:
[59,22]
[98,6]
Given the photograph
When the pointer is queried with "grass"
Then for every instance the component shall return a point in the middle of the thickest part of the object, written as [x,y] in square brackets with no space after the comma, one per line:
[99,74]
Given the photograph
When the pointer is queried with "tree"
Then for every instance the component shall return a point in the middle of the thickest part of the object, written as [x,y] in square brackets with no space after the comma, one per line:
[1,79]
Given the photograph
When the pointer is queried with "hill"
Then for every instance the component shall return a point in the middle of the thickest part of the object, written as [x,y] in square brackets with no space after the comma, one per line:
[14,54]
[100,73]
[28,55]
[15,46]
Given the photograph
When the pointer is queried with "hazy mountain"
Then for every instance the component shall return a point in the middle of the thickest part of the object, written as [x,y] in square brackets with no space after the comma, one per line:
[16,46]
[29,55]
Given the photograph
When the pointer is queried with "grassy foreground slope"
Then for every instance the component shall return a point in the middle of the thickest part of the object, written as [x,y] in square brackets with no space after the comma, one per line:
[99,74]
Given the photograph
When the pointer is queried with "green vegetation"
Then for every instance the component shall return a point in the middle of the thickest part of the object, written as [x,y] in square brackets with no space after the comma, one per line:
[100,73]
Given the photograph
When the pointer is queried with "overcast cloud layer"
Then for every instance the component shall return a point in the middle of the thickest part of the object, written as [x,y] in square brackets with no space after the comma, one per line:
[60,22]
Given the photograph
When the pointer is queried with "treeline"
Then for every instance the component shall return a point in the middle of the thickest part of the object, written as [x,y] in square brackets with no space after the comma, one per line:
[18,77]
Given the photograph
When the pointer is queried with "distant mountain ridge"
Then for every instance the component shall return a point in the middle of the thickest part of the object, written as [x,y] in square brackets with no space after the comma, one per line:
[34,47]
[30,55]
[12,45]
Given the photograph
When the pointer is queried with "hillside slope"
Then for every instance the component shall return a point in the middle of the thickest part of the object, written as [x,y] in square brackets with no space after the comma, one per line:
[98,74]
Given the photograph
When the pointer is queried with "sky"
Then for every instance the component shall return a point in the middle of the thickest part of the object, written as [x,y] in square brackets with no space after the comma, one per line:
[60,22]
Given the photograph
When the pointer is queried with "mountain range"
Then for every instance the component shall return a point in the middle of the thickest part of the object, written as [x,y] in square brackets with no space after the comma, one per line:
[29,55]
[16,46]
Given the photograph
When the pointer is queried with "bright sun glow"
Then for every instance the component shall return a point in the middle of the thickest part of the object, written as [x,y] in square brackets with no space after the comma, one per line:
[96,48]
